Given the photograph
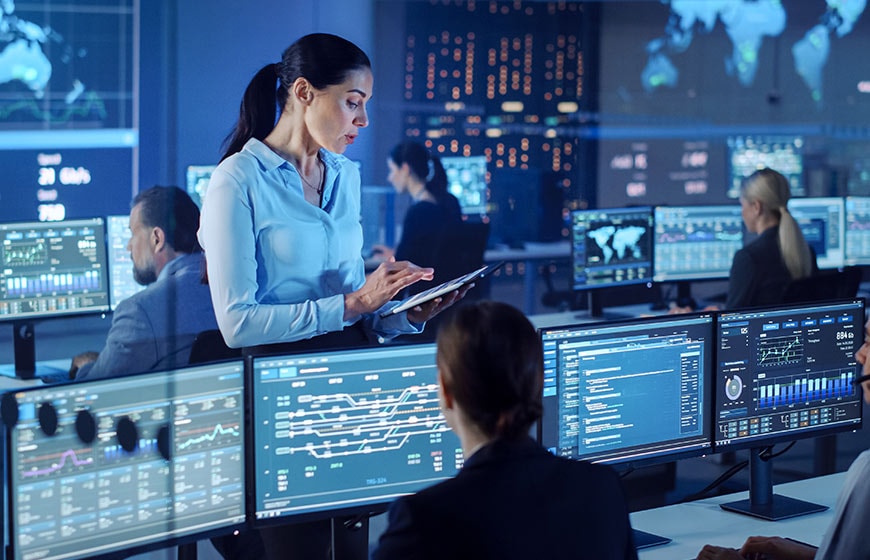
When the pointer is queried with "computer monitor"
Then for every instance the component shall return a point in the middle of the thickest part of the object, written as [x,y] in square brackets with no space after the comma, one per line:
[822,221]
[612,247]
[121,282]
[781,152]
[632,392]
[346,431]
[467,181]
[198,177]
[126,464]
[696,242]
[857,230]
[50,269]
[783,374]
[629,393]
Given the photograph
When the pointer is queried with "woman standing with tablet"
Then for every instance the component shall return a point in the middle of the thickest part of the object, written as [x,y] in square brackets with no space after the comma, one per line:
[281,218]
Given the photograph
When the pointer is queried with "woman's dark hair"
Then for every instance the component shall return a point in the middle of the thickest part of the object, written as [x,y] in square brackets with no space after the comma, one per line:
[490,358]
[321,58]
[172,210]
[427,168]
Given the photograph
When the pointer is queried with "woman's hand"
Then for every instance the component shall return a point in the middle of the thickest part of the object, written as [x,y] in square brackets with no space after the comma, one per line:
[382,285]
[426,311]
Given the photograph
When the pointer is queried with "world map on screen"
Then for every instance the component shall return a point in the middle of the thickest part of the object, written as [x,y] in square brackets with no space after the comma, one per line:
[618,242]
[65,64]
[747,23]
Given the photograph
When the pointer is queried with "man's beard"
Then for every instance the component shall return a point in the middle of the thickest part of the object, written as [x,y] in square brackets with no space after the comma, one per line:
[144,276]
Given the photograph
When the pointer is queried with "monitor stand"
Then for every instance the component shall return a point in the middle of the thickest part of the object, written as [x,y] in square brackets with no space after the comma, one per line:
[596,309]
[762,502]
[642,539]
[25,349]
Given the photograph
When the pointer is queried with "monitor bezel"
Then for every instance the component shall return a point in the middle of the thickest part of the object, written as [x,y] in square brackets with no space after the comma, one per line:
[700,449]
[99,223]
[158,543]
[790,436]
[584,288]
[350,511]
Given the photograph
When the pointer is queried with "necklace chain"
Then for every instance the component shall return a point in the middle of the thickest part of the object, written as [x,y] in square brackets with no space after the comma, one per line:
[318,190]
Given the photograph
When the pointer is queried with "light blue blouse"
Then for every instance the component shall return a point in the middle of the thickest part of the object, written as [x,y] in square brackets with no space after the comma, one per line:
[278,266]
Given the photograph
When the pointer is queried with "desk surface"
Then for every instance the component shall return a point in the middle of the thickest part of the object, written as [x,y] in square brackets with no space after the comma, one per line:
[530,251]
[695,524]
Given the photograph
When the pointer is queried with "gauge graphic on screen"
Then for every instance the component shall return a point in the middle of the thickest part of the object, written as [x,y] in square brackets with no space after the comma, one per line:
[733,388]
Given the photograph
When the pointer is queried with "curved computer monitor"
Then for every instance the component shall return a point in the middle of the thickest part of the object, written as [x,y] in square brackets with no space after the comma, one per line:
[53,269]
[633,392]
[696,242]
[122,284]
[611,247]
[822,221]
[112,466]
[785,373]
[50,269]
[857,230]
[346,431]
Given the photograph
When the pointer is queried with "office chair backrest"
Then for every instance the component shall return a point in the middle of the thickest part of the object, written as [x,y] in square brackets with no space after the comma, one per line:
[824,285]
[209,346]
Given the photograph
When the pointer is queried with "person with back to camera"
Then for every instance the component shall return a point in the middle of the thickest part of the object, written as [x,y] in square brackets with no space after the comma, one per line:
[154,329]
[762,269]
[512,499]
[281,217]
[413,170]
[845,538]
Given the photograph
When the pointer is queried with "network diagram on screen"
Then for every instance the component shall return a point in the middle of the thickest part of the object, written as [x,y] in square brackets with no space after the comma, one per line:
[346,429]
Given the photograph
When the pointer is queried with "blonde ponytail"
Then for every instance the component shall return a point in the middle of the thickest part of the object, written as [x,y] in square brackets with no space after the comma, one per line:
[795,251]
[771,188]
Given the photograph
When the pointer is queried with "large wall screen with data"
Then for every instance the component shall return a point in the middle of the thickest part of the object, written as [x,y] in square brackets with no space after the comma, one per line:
[857,230]
[748,154]
[101,481]
[68,107]
[785,374]
[634,391]
[612,247]
[822,221]
[53,268]
[466,180]
[342,430]
[696,242]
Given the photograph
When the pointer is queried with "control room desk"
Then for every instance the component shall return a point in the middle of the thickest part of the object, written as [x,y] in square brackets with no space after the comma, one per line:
[694,524]
[530,256]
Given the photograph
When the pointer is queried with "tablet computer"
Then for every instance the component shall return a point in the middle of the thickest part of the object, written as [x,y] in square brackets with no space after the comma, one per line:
[441,289]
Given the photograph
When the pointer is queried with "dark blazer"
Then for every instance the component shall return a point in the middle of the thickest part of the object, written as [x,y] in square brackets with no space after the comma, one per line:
[154,329]
[758,274]
[513,500]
